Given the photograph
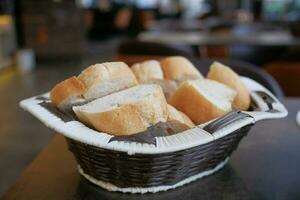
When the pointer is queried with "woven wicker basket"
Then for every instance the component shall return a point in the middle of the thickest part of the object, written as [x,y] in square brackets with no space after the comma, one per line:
[171,161]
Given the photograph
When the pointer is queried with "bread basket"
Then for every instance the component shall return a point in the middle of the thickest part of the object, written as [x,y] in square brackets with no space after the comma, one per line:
[168,162]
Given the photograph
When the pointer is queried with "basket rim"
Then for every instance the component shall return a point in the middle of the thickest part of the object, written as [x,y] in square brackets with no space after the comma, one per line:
[187,139]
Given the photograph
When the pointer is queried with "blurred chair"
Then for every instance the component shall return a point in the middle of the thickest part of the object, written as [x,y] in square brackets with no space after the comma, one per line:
[255,54]
[258,55]
[287,74]
[131,51]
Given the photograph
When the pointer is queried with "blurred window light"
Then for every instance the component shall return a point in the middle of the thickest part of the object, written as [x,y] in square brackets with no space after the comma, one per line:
[146,4]
[194,8]
[280,9]
[275,6]
[85,3]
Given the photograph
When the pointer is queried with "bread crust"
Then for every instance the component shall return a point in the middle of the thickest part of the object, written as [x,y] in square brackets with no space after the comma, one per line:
[196,106]
[106,78]
[119,70]
[129,118]
[65,90]
[92,74]
[168,86]
[179,68]
[154,107]
[125,120]
[187,120]
[227,76]
[175,115]
[146,70]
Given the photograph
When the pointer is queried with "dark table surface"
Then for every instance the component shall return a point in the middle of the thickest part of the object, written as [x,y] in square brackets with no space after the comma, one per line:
[265,166]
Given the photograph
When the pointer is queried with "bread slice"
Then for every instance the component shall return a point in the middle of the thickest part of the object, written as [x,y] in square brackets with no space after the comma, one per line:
[146,70]
[168,86]
[66,93]
[179,68]
[227,76]
[126,112]
[175,115]
[203,100]
[106,78]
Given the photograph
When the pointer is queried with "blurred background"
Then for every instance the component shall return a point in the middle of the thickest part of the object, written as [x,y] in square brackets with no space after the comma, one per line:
[43,42]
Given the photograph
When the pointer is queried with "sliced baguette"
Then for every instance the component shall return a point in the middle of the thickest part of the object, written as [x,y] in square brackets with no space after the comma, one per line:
[67,93]
[227,76]
[146,70]
[106,78]
[179,68]
[126,112]
[175,115]
[203,100]
[168,86]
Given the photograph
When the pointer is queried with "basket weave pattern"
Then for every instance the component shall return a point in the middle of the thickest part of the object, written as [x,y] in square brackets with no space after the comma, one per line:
[148,170]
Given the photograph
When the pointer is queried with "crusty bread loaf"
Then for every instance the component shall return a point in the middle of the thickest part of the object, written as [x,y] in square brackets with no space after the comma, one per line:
[126,112]
[179,68]
[168,86]
[227,76]
[106,78]
[66,93]
[203,100]
[175,115]
[146,70]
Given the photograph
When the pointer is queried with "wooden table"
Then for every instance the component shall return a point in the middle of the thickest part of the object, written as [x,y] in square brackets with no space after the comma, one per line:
[265,166]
